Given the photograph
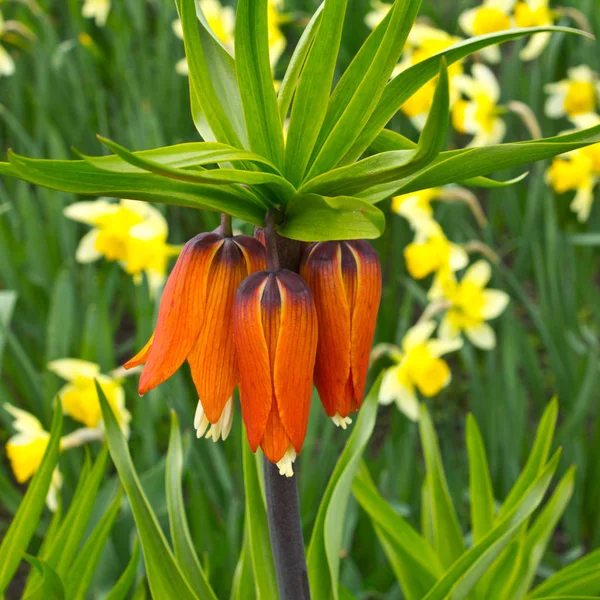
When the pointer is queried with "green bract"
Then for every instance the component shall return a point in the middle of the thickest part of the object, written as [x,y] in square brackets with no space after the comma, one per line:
[319,184]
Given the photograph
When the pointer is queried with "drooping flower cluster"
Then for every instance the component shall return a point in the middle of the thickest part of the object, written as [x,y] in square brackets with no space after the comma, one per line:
[79,400]
[576,98]
[132,233]
[221,19]
[268,331]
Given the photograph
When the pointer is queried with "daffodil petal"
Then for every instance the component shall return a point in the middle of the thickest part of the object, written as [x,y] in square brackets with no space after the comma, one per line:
[482,336]
[495,302]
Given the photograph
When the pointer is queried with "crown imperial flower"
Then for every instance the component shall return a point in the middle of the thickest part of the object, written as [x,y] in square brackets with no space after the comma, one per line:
[195,321]
[345,280]
[275,333]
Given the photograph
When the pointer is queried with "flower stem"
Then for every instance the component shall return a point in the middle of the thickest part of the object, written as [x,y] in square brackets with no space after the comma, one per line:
[273,263]
[226,228]
[285,529]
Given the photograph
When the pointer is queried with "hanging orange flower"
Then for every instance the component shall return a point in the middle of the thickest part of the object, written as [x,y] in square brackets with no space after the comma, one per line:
[275,332]
[345,279]
[195,323]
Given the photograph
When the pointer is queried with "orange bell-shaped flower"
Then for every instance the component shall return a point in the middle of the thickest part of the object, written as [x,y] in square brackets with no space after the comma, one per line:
[195,323]
[275,332]
[345,280]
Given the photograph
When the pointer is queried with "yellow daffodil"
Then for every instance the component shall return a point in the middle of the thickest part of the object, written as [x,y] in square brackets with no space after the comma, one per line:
[26,448]
[580,171]
[221,19]
[416,207]
[423,42]
[533,13]
[490,17]
[470,305]
[419,368]
[130,232]
[575,96]
[479,114]
[431,252]
[79,398]
[97,10]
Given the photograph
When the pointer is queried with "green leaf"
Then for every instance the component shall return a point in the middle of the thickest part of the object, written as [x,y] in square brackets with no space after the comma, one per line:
[79,577]
[50,587]
[359,92]
[314,218]
[480,485]
[8,299]
[78,177]
[433,137]
[536,460]
[259,542]
[580,577]
[127,579]
[180,534]
[23,526]
[65,548]
[462,576]
[460,165]
[448,539]
[537,538]
[297,62]
[310,104]
[364,174]
[214,176]
[243,587]
[323,557]
[253,69]
[179,156]
[164,575]
[413,560]
[406,83]
[214,92]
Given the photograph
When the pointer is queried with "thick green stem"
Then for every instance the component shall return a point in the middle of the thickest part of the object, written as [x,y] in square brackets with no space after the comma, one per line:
[285,530]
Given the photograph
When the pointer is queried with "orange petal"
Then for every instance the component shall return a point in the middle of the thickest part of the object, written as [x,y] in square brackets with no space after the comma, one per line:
[212,359]
[256,388]
[295,356]
[275,440]
[322,271]
[367,295]
[259,234]
[181,310]
[141,357]
[253,251]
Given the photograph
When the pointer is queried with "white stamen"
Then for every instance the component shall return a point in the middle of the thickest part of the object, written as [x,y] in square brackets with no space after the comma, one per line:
[218,430]
[340,421]
[285,465]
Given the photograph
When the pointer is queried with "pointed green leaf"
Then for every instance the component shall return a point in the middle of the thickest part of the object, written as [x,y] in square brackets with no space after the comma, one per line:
[213,176]
[78,177]
[79,577]
[462,576]
[164,575]
[413,560]
[580,577]
[253,68]
[23,526]
[448,539]
[214,92]
[406,83]
[127,579]
[481,494]
[323,557]
[261,553]
[180,533]
[50,586]
[358,95]
[310,103]
[242,587]
[297,62]
[314,218]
